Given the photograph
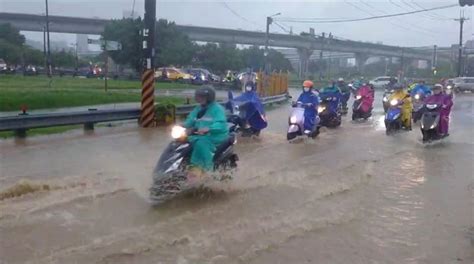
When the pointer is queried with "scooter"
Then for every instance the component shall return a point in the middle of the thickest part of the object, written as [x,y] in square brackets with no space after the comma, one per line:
[170,174]
[418,106]
[393,117]
[430,122]
[296,123]
[329,117]
[357,112]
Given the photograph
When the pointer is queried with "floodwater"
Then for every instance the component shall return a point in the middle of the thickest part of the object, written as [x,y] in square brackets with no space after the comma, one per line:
[353,195]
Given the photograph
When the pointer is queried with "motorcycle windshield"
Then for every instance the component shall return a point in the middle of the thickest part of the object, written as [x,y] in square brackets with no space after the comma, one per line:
[171,158]
[429,120]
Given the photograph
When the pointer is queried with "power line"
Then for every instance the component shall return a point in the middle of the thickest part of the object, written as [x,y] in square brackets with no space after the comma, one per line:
[411,25]
[282,27]
[319,21]
[393,24]
[237,14]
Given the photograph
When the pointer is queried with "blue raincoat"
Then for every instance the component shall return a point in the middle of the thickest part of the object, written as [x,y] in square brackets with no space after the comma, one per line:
[421,88]
[255,112]
[310,112]
[334,95]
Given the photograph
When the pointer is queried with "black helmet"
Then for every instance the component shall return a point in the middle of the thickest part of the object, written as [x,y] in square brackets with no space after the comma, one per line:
[206,92]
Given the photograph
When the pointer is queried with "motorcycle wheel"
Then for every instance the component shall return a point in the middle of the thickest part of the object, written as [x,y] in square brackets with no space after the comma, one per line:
[354,116]
[291,136]
[165,189]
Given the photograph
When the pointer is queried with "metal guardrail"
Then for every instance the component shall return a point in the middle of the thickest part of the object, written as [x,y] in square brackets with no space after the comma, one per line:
[22,122]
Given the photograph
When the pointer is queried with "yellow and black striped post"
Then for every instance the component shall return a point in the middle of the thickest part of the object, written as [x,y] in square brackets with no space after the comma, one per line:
[147,118]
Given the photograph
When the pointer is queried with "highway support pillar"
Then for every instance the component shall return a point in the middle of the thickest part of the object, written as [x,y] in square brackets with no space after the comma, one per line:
[304,55]
[147,118]
[361,59]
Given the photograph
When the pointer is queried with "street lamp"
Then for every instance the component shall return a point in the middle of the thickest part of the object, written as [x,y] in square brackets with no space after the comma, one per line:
[269,21]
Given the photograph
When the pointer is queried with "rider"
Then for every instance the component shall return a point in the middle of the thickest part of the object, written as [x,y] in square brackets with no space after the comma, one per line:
[345,90]
[391,83]
[367,93]
[209,122]
[311,102]
[421,88]
[255,111]
[407,107]
[446,103]
[334,93]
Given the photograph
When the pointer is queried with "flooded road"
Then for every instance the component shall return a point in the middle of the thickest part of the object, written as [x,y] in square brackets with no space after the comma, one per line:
[353,195]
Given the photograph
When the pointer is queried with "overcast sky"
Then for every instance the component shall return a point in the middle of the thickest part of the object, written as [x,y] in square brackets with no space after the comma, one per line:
[423,29]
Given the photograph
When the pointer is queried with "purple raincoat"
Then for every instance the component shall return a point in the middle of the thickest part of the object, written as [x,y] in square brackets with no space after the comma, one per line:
[446,103]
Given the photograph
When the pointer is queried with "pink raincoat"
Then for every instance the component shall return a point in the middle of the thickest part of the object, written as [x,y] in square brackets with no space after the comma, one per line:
[446,103]
[367,98]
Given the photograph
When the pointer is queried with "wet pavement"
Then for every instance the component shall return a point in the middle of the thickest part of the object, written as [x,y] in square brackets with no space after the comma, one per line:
[353,195]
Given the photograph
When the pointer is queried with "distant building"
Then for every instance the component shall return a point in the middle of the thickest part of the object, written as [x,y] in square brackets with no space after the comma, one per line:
[82,45]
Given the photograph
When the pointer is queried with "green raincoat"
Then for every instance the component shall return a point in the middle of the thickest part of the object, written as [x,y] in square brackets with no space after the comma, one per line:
[204,146]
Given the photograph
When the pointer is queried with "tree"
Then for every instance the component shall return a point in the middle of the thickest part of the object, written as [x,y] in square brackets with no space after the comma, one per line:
[127,32]
[63,59]
[11,35]
[33,56]
[172,46]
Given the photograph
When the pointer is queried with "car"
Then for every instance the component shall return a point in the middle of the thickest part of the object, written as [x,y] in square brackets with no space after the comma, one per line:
[30,70]
[462,84]
[3,66]
[380,82]
[172,74]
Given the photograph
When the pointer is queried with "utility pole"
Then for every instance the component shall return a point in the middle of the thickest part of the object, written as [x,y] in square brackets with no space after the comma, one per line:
[147,116]
[48,59]
[434,62]
[321,57]
[461,25]
[45,56]
[267,40]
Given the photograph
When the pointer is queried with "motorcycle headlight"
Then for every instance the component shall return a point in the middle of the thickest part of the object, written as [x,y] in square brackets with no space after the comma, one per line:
[293,119]
[358,97]
[394,102]
[417,96]
[321,109]
[178,132]
[385,99]
[449,87]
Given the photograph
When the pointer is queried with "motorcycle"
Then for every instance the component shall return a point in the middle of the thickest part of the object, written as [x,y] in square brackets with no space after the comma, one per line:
[243,114]
[170,174]
[357,112]
[418,106]
[329,117]
[296,123]
[430,122]
[385,99]
[393,117]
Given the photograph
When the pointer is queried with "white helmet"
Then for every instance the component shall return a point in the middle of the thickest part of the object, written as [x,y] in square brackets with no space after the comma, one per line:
[340,79]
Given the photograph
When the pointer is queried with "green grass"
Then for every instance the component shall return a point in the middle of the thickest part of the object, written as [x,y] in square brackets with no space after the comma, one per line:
[41,131]
[35,93]
[68,82]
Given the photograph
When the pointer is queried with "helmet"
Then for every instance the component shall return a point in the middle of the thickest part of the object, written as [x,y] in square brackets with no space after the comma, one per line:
[206,92]
[438,87]
[398,86]
[340,79]
[251,84]
[308,83]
